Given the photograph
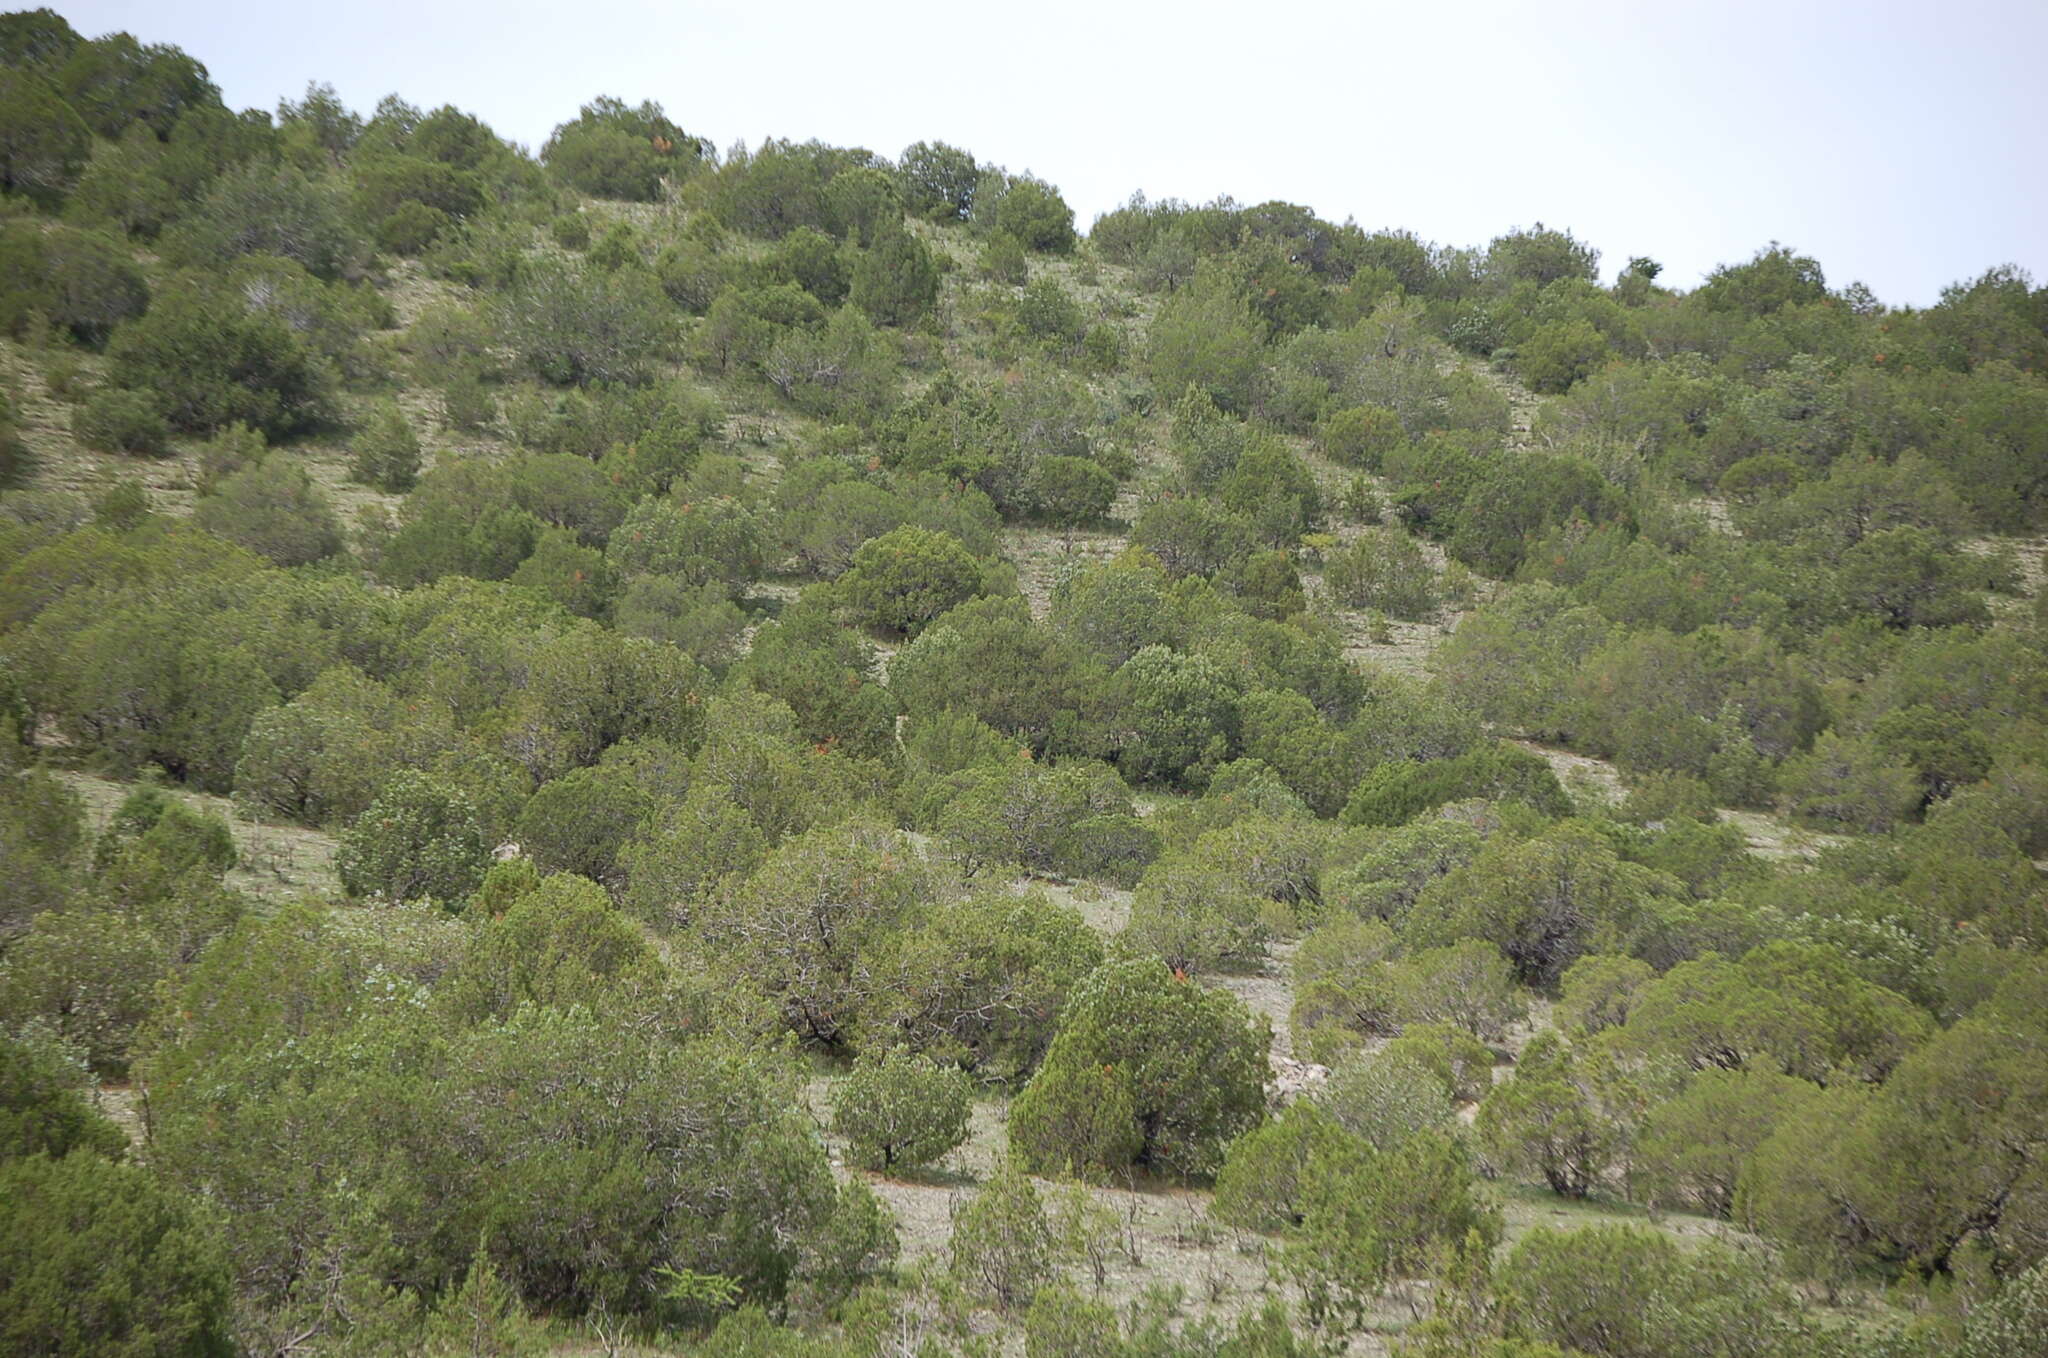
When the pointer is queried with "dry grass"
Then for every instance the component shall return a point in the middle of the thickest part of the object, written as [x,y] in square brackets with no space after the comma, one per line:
[1777,839]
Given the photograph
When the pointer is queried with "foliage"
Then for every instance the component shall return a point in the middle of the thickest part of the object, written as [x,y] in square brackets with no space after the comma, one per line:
[210,360]
[98,1257]
[907,577]
[1001,1245]
[45,1105]
[1546,1120]
[575,326]
[274,509]
[386,452]
[900,1111]
[418,839]
[1386,570]
[121,421]
[1186,1062]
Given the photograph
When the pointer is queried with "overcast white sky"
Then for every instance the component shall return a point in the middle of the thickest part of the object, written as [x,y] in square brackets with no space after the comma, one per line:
[1901,144]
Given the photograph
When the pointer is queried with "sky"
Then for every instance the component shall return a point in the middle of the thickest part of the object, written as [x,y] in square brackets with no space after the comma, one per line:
[1899,144]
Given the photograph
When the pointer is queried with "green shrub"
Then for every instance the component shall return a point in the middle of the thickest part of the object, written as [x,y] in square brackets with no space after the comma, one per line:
[44,1109]
[385,453]
[118,421]
[1072,491]
[211,360]
[570,230]
[274,509]
[901,1111]
[1384,569]
[580,823]
[98,1257]
[904,579]
[1184,1059]
[1003,260]
[79,281]
[419,839]
[1396,793]
[1360,436]
[1001,1245]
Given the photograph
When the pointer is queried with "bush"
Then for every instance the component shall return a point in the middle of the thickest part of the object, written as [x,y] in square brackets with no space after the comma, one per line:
[230,450]
[1396,793]
[43,1105]
[1001,1246]
[79,281]
[276,511]
[120,421]
[896,280]
[613,150]
[211,360]
[904,579]
[1028,210]
[89,974]
[901,1111]
[1184,1059]
[1178,714]
[386,454]
[572,325]
[97,1257]
[1071,491]
[1385,1100]
[419,839]
[716,540]
[1384,569]
[1361,436]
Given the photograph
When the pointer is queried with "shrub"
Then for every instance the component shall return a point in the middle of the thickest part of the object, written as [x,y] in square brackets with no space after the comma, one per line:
[77,280]
[694,543]
[43,1105]
[89,974]
[261,208]
[276,511]
[896,280]
[1600,990]
[120,421]
[613,150]
[904,579]
[230,450]
[1385,1100]
[1361,436]
[1186,1060]
[1460,1061]
[98,1257]
[386,453]
[1396,793]
[418,839]
[1179,715]
[572,325]
[47,143]
[901,1111]
[939,181]
[1260,1186]
[1071,491]
[1384,569]
[1001,1245]
[211,360]
[1545,1120]
[580,823]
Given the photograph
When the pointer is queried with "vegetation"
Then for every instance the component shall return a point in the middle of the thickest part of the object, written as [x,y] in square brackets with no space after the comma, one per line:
[636,748]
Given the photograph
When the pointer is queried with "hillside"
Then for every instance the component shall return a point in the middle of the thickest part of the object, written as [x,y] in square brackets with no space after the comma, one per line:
[634,750]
